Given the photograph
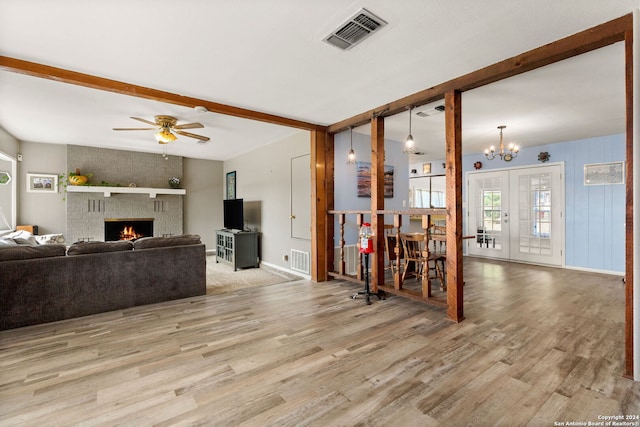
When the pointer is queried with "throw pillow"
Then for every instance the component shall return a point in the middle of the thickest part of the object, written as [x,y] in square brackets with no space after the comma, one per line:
[25,242]
[22,237]
[47,239]
[7,243]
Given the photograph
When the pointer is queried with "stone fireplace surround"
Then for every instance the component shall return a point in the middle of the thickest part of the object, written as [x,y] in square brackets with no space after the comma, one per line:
[86,212]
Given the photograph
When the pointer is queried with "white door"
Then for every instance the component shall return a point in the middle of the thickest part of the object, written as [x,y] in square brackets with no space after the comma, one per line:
[518,214]
[300,197]
[536,226]
[488,195]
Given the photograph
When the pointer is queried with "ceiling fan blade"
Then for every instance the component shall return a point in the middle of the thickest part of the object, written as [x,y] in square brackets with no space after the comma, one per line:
[192,135]
[145,121]
[189,126]
[134,128]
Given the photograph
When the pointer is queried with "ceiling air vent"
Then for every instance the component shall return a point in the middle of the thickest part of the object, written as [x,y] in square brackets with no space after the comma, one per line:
[357,28]
[431,111]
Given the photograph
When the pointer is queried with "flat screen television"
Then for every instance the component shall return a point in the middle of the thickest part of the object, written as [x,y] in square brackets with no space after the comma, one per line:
[233,214]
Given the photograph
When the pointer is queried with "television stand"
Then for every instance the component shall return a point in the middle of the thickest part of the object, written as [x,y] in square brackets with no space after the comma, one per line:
[237,248]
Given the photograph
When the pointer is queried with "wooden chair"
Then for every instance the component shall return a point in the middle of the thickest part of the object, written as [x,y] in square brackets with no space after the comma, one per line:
[414,261]
[389,246]
[414,255]
[439,254]
[390,243]
[439,245]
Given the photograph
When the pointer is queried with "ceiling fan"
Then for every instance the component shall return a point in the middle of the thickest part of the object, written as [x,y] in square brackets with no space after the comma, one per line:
[165,125]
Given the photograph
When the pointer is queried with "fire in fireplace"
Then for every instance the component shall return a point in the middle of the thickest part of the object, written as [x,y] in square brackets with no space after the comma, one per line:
[127,228]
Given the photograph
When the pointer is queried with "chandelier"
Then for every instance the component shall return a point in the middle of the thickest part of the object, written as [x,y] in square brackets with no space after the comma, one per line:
[507,155]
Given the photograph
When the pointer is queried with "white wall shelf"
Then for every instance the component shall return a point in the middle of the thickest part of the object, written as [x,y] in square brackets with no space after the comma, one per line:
[107,191]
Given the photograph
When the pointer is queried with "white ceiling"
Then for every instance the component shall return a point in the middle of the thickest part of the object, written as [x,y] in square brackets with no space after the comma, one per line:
[269,56]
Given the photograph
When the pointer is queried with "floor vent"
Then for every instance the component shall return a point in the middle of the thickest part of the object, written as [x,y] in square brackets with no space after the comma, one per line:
[351,256]
[300,261]
[355,29]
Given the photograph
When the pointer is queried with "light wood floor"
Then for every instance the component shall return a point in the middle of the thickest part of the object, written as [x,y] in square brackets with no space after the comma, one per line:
[538,346]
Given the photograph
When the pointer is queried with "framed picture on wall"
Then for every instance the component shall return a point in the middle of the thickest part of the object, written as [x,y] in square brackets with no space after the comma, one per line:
[231,185]
[42,183]
[363,176]
[604,173]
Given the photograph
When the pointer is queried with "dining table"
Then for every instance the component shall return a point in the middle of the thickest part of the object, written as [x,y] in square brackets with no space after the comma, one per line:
[442,238]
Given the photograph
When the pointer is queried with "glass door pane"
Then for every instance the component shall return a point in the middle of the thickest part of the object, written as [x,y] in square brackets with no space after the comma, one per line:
[536,227]
[535,213]
[488,204]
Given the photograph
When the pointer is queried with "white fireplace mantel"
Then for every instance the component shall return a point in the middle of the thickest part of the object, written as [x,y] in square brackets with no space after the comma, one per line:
[107,191]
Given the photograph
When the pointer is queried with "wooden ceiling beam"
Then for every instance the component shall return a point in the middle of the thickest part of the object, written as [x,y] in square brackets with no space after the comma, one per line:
[585,41]
[73,77]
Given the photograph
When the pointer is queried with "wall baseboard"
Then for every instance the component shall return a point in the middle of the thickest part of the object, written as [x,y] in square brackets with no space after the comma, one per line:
[595,270]
[286,270]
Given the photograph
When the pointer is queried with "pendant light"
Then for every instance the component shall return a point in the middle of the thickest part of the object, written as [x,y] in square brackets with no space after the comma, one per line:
[351,157]
[409,144]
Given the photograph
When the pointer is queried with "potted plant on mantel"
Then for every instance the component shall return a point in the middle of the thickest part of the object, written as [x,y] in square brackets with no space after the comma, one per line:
[77,178]
[73,178]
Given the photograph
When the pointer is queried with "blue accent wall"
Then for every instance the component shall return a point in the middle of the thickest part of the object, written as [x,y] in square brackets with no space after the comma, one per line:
[594,215]
[345,187]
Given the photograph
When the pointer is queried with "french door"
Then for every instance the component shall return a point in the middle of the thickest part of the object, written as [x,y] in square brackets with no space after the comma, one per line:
[517,214]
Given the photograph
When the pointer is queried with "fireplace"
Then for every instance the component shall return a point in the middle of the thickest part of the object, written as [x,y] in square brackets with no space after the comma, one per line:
[127,228]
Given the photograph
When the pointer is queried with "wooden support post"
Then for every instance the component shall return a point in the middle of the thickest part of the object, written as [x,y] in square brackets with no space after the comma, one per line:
[453,128]
[377,200]
[321,239]
[397,277]
[359,275]
[341,221]
[426,281]
[629,354]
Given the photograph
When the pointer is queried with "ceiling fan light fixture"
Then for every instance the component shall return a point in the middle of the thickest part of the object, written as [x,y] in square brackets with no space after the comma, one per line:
[165,136]
[166,128]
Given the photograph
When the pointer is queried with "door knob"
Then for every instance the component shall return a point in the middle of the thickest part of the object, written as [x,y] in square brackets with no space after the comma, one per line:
[292,217]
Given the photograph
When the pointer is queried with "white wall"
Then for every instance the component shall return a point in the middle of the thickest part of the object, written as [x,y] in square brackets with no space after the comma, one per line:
[8,193]
[8,144]
[204,182]
[47,211]
[263,180]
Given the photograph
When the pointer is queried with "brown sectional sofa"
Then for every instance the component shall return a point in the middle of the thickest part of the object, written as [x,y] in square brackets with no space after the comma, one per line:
[46,283]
